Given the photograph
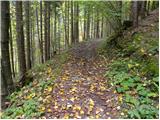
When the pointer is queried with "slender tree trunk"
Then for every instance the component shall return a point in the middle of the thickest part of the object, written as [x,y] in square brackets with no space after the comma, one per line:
[7,83]
[97,26]
[20,38]
[102,27]
[55,29]
[76,22]
[59,34]
[134,13]
[41,44]
[11,49]
[65,23]
[72,32]
[84,31]
[143,9]
[88,25]
[48,22]
[37,23]
[46,30]
[68,22]
[27,14]
[148,7]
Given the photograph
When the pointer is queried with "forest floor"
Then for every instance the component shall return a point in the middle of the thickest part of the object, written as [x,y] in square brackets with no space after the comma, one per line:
[74,85]
[81,90]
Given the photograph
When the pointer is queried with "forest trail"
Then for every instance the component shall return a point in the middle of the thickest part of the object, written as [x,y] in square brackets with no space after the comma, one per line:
[81,91]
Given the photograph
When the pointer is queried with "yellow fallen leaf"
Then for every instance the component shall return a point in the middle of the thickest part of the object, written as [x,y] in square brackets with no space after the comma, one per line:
[49,110]
[120,98]
[81,112]
[66,116]
[49,89]
[49,70]
[29,97]
[142,50]
[42,108]
[130,66]
[72,99]
[91,102]
[97,116]
[102,88]
[73,89]
[77,107]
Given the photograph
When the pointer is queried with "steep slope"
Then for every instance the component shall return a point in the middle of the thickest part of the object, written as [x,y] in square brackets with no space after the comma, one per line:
[133,69]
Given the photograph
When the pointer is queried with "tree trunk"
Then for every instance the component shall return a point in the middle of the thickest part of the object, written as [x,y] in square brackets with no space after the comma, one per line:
[134,13]
[20,39]
[84,27]
[7,83]
[37,24]
[27,15]
[46,30]
[55,29]
[76,22]
[143,9]
[41,44]
[68,22]
[11,49]
[102,26]
[97,26]
[72,32]
[88,25]
[48,22]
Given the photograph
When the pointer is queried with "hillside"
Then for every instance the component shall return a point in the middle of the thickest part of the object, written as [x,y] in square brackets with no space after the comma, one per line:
[94,80]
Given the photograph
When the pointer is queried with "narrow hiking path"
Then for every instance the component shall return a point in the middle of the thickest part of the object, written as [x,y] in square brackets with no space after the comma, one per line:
[81,91]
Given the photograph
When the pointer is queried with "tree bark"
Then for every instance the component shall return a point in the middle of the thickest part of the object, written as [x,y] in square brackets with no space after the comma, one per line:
[143,9]
[20,39]
[72,32]
[7,83]
[97,26]
[46,31]
[11,48]
[41,44]
[37,24]
[84,27]
[48,22]
[76,22]
[88,24]
[134,13]
[27,15]
[55,29]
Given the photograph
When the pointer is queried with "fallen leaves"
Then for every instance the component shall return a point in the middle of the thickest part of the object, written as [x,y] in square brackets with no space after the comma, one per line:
[30,96]
[77,107]
[49,89]
[72,99]
[49,110]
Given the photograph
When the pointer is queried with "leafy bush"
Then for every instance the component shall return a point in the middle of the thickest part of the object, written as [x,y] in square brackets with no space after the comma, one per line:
[139,91]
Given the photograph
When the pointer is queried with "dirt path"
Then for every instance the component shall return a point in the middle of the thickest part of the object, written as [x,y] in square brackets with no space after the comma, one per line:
[81,91]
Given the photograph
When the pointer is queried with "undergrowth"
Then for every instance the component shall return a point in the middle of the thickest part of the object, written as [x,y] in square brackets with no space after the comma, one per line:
[28,101]
[134,73]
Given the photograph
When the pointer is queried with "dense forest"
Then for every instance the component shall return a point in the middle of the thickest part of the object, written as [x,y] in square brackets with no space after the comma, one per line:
[79,59]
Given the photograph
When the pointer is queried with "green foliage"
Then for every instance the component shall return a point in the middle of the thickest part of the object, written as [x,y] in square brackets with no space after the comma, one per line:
[143,111]
[139,92]
[26,102]
[27,109]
